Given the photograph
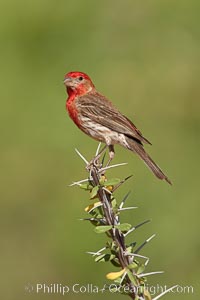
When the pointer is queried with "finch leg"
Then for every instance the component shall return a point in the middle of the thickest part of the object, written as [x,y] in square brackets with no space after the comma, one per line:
[111,154]
[95,160]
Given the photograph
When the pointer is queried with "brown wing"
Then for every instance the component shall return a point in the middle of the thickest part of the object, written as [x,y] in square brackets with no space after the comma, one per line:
[101,110]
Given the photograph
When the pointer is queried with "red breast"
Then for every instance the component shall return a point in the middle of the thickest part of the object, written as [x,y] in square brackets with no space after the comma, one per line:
[72,109]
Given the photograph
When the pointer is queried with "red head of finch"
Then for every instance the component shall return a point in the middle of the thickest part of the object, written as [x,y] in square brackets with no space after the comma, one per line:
[96,116]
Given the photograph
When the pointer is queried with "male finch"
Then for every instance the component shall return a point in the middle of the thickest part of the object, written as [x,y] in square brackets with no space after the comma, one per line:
[95,115]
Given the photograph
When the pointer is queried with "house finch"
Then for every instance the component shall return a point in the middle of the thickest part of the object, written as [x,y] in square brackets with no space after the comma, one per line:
[95,115]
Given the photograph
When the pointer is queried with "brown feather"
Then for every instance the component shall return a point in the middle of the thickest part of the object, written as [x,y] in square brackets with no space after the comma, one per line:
[138,148]
[100,110]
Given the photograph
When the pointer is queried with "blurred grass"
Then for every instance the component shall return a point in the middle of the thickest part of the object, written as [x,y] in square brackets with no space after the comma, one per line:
[144,55]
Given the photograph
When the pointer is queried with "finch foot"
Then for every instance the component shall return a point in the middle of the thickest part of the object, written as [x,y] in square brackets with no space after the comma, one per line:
[111,154]
[95,161]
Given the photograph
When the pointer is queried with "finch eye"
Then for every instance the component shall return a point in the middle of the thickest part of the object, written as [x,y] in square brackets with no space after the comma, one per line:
[80,78]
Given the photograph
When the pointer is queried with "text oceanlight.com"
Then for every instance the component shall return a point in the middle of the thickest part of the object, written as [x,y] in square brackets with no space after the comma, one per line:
[76,288]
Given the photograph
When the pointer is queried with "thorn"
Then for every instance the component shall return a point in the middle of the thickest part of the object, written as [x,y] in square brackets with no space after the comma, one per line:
[133,244]
[128,232]
[121,182]
[92,253]
[81,156]
[151,237]
[124,199]
[123,276]
[92,219]
[98,252]
[137,255]
[145,222]
[113,166]
[95,206]
[98,148]
[165,292]
[103,159]
[107,191]
[135,227]
[150,273]
[98,155]
[141,246]
[127,208]
[78,182]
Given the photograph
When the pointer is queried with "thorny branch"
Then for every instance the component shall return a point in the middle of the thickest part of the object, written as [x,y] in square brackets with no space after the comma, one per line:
[105,215]
[110,217]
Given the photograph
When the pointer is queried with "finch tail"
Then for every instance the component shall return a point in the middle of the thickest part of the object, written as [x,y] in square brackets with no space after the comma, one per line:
[135,146]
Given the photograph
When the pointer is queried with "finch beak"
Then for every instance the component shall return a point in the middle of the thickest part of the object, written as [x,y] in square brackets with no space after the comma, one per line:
[68,81]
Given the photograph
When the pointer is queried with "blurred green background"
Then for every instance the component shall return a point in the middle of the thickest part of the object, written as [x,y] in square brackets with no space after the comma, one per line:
[144,55]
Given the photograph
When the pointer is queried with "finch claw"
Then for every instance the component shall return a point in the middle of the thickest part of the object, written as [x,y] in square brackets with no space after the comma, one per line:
[93,163]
